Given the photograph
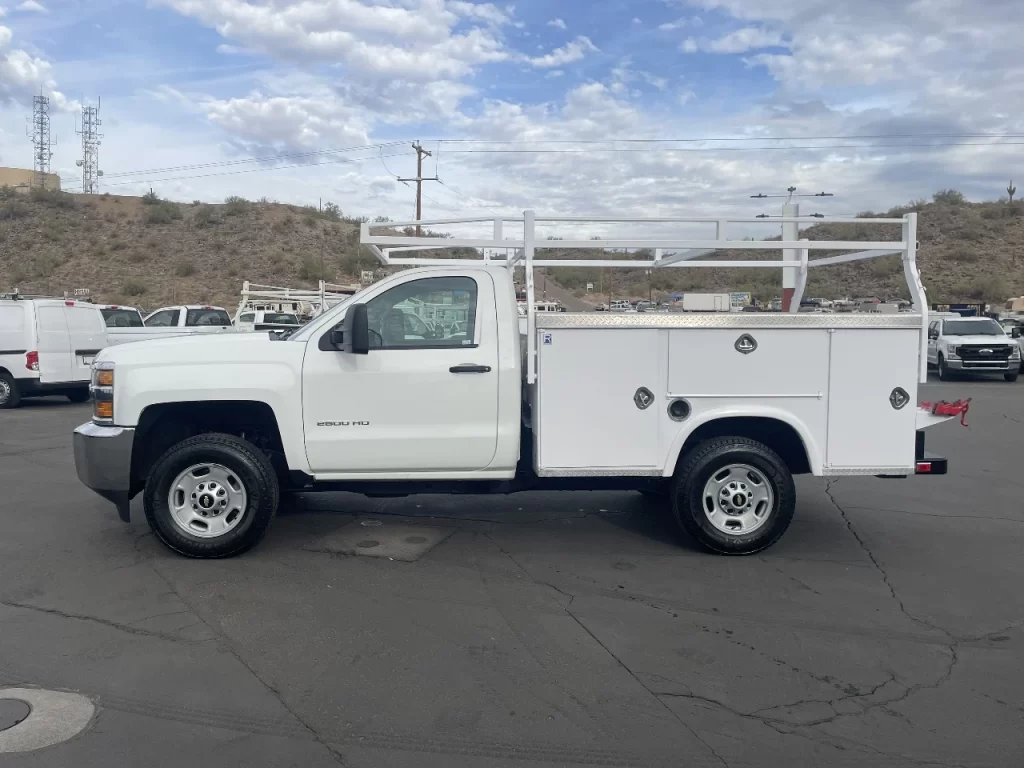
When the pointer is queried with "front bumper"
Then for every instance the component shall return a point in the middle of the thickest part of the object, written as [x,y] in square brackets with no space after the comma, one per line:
[103,460]
[984,366]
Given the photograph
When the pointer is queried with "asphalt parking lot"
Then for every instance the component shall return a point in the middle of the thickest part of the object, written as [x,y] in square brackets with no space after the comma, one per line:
[542,630]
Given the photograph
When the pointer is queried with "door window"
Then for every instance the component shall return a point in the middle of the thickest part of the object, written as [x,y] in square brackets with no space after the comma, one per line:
[163,319]
[208,316]
[247,318]
[425,314]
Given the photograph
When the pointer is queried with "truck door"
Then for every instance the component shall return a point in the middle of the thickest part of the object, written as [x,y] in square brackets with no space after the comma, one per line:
[88,334]
[424,399]
[54,344]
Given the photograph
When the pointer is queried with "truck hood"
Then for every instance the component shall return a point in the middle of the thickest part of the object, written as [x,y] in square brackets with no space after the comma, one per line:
[214,346]
[982,340]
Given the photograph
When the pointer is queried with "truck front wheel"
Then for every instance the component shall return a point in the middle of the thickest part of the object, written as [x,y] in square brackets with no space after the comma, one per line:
[734,495]
[212,495]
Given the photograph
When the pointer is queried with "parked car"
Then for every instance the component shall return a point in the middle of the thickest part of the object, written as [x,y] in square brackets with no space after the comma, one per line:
[47,347]
[189,320]
[117,316]
[264,320]
[972,345]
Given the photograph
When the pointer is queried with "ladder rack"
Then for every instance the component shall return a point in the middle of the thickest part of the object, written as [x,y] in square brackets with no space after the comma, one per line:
[669,252]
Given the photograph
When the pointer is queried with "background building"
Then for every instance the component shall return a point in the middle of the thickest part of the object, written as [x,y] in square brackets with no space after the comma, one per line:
[21,179]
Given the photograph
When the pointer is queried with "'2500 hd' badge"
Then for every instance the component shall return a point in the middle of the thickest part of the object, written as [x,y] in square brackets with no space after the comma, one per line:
[343,423]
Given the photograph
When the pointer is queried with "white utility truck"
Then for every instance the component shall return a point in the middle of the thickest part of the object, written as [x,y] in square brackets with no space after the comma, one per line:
[973,345]
[713,413]
[47,347]
[707,302]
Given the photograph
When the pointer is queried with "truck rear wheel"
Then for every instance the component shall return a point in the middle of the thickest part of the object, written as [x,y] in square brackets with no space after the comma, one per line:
[212,495]
[734,495]
[10,396]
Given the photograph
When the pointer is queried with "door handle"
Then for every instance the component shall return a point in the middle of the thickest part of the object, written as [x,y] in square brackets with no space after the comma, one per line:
[470,368]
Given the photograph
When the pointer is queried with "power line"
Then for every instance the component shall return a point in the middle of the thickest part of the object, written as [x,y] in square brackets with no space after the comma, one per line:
[267,159]
[247,170]
[733,149]
[739,138]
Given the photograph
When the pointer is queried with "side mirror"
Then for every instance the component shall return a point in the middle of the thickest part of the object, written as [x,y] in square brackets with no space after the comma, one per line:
[354,337]
[1015,332]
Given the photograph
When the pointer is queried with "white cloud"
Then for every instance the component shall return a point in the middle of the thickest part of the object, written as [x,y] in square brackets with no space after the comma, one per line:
[23,75]
[686,96]
[567,54]
[739,41]
[557,23]
[3,11]
[415,41]
[637,20]
[31,6]
[482,11]
[554,73]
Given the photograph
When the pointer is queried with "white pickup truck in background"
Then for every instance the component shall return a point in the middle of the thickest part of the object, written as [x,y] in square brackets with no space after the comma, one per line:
[715,413]
[972,346]
[188,320]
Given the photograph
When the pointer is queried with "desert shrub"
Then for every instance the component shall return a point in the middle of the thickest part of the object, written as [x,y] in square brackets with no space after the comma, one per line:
[236,206]
[118,245]
[206,216]
[163,213]
[151,198]
[309,220]
[949,197]
[12,209]
[332,212]
[138,255]
[51,197]
[964,255]
[887,265]
[196,202]
[53,232]
[184,268]
[133,287]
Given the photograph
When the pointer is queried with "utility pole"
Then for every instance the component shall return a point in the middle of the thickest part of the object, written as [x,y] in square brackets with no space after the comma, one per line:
[420,154]
[790,233]
[90,162]
[40,136]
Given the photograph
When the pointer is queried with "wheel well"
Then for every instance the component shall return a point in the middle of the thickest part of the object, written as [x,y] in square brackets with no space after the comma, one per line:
[4,370]
[776,434]
[167,424]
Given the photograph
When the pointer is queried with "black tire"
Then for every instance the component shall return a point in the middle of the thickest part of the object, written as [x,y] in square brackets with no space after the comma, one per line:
[10,395]
[943,370]
[1011,377]
[701,464]
[239,456]
[77,395]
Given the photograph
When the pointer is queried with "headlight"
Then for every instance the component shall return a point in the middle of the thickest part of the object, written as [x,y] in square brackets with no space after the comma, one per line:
[951,350]
[103,392]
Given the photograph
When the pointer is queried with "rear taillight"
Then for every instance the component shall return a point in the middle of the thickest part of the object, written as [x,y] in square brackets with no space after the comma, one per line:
[32,361]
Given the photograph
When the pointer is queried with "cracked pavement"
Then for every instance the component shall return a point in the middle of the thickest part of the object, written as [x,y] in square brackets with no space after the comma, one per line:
[885,629]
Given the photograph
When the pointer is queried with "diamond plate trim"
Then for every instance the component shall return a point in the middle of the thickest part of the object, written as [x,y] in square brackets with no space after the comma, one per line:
[723,320]
[841,471]
[603,472]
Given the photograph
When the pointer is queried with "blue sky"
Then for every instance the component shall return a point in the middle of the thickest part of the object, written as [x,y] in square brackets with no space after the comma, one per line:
[202,82]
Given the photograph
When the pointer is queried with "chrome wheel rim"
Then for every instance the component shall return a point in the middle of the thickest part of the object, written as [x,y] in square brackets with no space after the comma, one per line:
[5,391]
[738,499]
[207,500]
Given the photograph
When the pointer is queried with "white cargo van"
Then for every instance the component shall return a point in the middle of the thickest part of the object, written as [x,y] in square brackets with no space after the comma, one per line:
[47,347]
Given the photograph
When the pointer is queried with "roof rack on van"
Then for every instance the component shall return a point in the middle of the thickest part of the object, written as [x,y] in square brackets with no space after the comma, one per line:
[17,295]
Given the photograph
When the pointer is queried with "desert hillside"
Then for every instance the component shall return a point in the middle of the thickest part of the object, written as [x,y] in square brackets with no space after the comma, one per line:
[149,252]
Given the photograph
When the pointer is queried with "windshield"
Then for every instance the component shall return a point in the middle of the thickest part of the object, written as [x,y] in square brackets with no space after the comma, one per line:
[971,328]
[122,318]
[280,318]
[207,317]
